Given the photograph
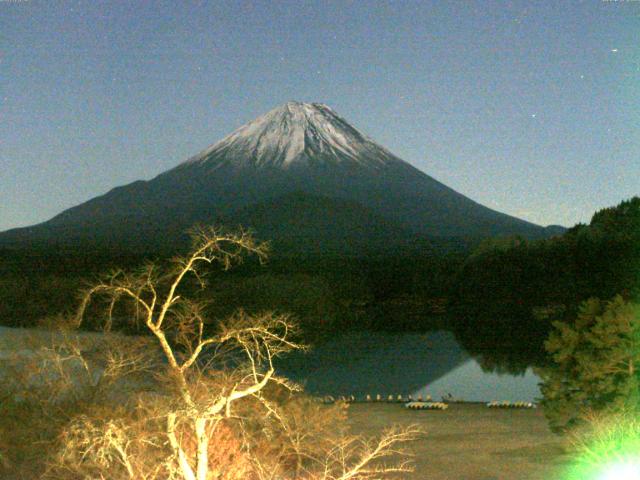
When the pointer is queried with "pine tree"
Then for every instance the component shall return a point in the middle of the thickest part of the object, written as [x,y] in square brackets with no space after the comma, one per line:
[595,363]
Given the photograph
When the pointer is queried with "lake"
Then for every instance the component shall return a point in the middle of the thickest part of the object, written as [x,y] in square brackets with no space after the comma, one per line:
[362,363]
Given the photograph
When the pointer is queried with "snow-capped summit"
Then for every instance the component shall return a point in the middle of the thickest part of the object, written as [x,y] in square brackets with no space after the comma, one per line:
[296,133]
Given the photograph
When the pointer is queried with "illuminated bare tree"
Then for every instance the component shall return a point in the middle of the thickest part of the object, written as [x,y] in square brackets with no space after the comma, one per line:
[194,359]
[208,378]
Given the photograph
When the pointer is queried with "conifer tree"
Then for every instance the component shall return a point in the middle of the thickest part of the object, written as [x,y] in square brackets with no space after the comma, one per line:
[595,363]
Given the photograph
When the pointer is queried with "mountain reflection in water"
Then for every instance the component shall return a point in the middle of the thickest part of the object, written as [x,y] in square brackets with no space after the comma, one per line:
[361,363]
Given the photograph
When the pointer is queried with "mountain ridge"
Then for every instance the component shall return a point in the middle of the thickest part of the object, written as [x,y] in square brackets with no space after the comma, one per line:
[296,147]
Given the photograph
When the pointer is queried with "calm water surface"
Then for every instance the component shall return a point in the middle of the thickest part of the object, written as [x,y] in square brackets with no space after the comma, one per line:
[362,363]
[373,363]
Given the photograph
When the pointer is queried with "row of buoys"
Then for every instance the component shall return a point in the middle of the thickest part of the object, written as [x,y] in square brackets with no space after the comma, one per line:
[427,405]
[419,400]
[332,399]
[505,404]
[395,398]
[377,398]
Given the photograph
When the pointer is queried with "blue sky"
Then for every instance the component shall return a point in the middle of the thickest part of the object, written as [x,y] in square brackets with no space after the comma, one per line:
[531,108]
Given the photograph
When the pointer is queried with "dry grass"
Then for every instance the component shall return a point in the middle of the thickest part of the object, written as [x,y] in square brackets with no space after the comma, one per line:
[471,442]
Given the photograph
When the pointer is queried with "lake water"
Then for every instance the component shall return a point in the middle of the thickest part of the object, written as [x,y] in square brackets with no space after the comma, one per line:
[362,363]
[373,363]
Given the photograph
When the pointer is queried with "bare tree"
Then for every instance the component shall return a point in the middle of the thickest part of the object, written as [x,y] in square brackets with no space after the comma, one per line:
[356,458]
[206,378]
[203,400]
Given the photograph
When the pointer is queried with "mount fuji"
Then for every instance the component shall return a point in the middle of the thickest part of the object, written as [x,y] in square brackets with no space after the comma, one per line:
[300,175]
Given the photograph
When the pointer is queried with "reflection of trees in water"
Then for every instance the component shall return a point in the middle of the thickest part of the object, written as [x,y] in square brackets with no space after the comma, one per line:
[508,291]
[513,363]
[507,346]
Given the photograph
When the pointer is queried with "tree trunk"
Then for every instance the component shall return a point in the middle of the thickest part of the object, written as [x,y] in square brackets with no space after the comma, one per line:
[183,462]
[203,448]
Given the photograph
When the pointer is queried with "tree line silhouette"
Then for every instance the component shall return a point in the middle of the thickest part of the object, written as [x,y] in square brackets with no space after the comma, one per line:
[500,296]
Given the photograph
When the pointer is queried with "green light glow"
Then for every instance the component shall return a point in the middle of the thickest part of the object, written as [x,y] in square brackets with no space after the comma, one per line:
[608,450]
[625,470]
[621,469]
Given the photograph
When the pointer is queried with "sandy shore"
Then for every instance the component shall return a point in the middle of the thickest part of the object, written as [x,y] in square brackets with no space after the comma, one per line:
[471,442]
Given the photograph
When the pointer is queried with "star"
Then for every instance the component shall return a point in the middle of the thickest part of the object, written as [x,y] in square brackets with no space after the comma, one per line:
[533,115]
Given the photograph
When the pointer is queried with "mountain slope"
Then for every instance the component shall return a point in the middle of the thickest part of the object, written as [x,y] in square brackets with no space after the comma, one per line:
[295,148]
[302,223]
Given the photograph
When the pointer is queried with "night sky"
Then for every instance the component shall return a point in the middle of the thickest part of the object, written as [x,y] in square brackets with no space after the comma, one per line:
[531,108]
